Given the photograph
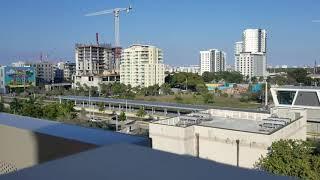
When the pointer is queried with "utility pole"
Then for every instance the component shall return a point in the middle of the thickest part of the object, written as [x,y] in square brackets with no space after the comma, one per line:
[186,84]
[266,92]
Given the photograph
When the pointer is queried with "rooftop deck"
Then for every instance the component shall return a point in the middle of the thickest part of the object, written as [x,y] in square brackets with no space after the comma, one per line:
[73,132]
[230,120]
[124,161]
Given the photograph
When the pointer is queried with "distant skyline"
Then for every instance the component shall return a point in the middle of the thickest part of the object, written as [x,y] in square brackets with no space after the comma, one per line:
[180,28]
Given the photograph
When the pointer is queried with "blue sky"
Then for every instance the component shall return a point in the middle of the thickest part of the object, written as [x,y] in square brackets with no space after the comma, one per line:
[180,27]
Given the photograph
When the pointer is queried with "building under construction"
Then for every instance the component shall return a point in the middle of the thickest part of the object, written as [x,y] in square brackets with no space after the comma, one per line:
[96,63]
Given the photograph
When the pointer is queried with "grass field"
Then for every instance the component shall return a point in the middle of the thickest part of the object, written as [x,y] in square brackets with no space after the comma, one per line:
[198,100]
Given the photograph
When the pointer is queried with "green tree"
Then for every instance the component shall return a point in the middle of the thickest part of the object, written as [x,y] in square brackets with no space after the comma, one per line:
[50,111]
[208,98]
[300,76]
[208,77]
[141,113]
[186,80]
[66,111]
[32,108]
[291,158]
[15,106]
[2,108]
[279,80]
[122,116]
[166,89]
[254,79]
[101,106]
[202,88]
[151,90]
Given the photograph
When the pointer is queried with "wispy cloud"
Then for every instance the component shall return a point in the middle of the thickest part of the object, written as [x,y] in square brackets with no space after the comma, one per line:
[316,21]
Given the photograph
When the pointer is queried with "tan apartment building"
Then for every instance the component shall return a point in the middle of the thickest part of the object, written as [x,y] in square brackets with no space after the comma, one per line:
[142,65]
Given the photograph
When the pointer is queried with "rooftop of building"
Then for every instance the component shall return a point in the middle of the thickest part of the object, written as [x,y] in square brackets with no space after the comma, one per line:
[123,161]
[244,125]
[232,120]
[141,45]
[103,45]
[67,131]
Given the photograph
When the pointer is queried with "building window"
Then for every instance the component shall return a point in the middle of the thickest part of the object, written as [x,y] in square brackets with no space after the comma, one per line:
[286,97]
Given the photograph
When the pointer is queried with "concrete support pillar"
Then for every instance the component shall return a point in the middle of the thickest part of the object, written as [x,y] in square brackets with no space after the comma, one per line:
[83,104]
[75,102]
[109,106]
[197,146]
[238,144]
[119,107]
[178,112]
[165,112]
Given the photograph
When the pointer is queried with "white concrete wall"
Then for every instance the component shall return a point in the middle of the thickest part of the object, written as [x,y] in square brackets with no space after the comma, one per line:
[172,138]
[220,144]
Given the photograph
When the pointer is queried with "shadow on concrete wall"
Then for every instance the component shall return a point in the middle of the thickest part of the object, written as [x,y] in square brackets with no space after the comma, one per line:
[51,147]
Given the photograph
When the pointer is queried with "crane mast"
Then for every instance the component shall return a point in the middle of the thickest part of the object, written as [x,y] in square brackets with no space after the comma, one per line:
[116,14]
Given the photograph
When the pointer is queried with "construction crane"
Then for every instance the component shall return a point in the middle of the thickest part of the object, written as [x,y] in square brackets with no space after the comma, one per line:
[116,14]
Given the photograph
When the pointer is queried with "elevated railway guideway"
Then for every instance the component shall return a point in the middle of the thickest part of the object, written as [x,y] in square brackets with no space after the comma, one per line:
[154,106]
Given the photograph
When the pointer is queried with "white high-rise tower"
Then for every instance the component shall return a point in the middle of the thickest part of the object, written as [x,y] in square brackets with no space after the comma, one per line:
[254,41]
[250,54]
[212,60]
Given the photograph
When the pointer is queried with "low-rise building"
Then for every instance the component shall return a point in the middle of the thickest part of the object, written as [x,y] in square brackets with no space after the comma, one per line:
[188,69]
[41,149]
[95,81]
[44,71]
[15,78]
[291,98]
[232,137]
[69,70]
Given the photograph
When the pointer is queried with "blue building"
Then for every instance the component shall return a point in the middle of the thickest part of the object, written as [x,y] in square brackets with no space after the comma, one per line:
[16,78]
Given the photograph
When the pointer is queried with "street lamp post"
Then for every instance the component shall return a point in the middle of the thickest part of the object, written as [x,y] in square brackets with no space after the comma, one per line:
[117,122]
[266,92]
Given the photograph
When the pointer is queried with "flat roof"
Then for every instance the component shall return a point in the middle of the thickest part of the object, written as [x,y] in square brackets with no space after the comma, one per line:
[124,161]
[245,125]
[162,105]
[67,131]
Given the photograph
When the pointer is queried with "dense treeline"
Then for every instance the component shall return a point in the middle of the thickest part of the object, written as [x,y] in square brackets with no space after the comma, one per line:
[34,107]
[293,77]
[64,112]
[294,158]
